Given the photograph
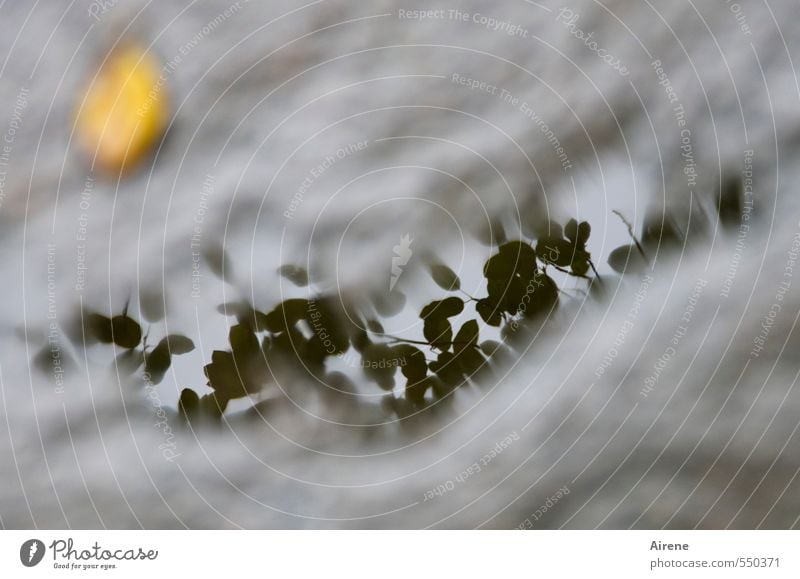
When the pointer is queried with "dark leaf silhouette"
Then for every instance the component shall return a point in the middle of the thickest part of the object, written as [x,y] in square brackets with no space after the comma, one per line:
[98,327]
[375,327]
[556,251]
[492,233]
[178,344]
[157,362]
[295,274]
[126,332]
[584,231]
[438,332]
[447,369]
[411,361]
[467,336]
[445,277]
[446,308]
[152,305]
[627,259]
[286,315]
[731,202]
[224,377]
[489,312]
[379,363]
[189,403]
[389,303]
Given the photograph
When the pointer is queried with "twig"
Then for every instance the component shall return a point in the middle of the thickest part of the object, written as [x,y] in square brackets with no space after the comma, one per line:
[594,269]
[630,232]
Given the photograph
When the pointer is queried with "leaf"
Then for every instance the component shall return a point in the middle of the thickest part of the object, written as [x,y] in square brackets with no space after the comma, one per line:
[375,327]
[541,297]
[489,312]
[492,233]
[157,362]
[177,344]
[212,406]
[98,327]
[243,341]
[468,357]
[471,361]
[467,336]
[490,347]
[329,323]
[445,277]
[412,362]
[124,111]
[295,274]
[129,361]
[627,259]
[556,251]
[416,389]
[126,332]
[584,231]
[438,332]
[50,360]
[152,305]
[580,266]
[223,376]
[379,363]
[571,230]
[447,369]
[731,201]
[358,333]
[514,259]
[389,303]
[286,315]
[549,229]
[189,403]
[446,308]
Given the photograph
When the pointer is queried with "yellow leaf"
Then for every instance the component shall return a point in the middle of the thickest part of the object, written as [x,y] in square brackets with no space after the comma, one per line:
[124,111]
